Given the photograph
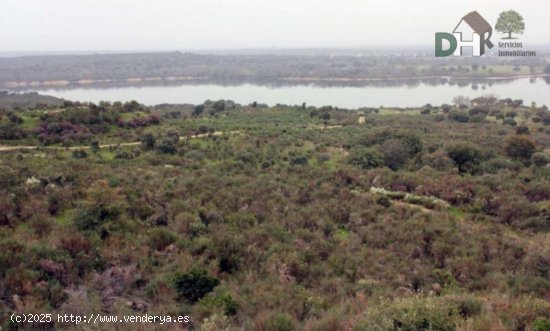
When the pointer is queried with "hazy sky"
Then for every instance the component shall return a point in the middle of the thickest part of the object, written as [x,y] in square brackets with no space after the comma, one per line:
[81,25]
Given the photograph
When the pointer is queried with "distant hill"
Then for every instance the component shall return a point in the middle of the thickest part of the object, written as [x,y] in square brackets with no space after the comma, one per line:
[333,64]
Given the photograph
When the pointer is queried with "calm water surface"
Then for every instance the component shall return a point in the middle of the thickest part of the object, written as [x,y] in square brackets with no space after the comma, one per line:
[397,95]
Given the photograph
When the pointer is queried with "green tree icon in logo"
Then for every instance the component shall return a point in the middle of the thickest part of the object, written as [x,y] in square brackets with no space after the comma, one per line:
[509,22]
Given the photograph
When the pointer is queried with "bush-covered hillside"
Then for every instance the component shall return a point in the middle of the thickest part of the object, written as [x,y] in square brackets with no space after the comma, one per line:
[279,218]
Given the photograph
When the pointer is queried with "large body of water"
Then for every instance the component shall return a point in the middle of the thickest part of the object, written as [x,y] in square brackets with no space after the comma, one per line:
[409,94]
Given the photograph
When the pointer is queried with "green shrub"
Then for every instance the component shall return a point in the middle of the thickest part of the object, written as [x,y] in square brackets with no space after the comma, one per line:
[103,204]
[123,155]
[477,118]
[541,324]
[281,322]
[299,160]
[443,277]
[79,154]
[412,314]
[529,311]
[459,116]
[366,158]
[161,238]
[412,142]
[520,148]
[167,146]
[383,200]
[87,218]
[247,157]
[148,141]
[229,250]
[467,157]
[8,177]
[497,164]
[194,285]
[395,153]
[469,306]
[438,160]
[231,306]
[225,301]
[509,121]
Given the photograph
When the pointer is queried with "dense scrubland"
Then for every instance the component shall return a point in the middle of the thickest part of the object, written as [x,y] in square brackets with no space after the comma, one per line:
[150,67]
[295,218]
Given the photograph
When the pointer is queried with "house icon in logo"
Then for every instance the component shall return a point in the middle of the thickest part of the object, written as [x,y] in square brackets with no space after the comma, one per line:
[472,31]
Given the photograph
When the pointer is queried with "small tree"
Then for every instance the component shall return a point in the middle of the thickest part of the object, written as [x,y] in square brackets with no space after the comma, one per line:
[218,106]
[412,142]
[459,116]
[461,101]
[197,110]
[148,141]
[95,147]
[167,146]
[509,22]
[366,158]
[395,154]
[194,285]
[485,103]
[520,148]
[465,156]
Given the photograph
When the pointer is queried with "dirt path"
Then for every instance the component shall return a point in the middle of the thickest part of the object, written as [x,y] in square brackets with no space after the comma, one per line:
[133,143]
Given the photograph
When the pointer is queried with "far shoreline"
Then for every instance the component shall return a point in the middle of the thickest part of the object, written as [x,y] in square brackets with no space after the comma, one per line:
[137,81]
